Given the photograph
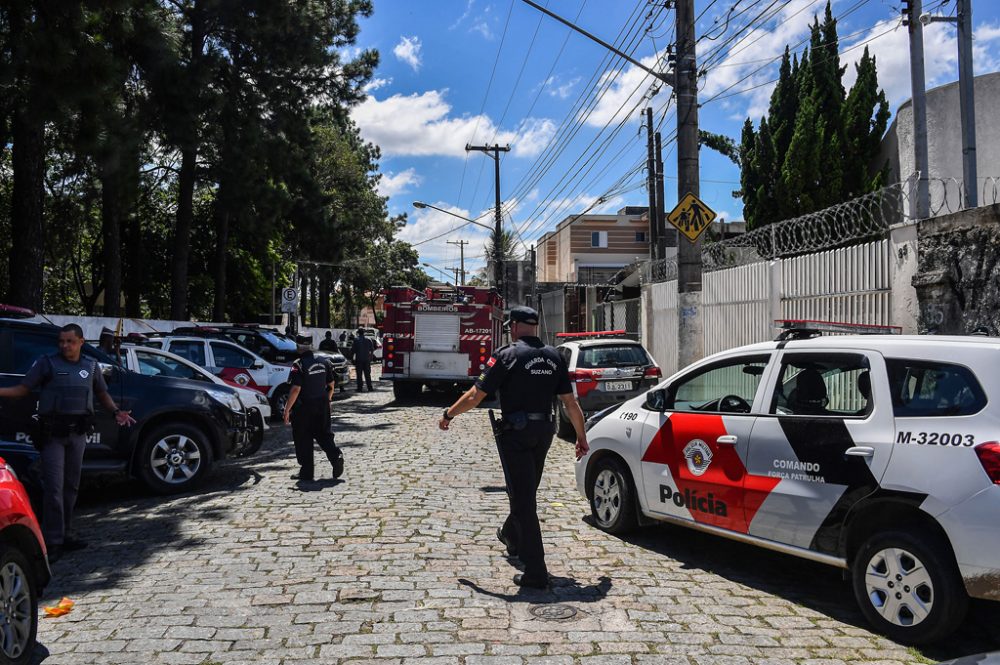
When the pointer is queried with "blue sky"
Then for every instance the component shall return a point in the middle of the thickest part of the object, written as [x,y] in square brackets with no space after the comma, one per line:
[478,71]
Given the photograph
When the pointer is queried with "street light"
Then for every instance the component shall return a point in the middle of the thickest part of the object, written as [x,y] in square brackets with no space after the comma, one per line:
[427,265]
[421,205]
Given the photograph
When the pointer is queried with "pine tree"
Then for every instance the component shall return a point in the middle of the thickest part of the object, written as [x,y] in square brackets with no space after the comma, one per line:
[749,177]
[784,106]
[863,131]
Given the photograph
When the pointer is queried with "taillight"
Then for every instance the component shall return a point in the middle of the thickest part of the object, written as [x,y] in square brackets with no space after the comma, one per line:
[585,381]
[989,457]
[652,373]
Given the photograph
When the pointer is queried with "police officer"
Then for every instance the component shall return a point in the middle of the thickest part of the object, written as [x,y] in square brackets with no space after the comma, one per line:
[328,343]
[308,410]
[69,384]
[364,349]
[527,374]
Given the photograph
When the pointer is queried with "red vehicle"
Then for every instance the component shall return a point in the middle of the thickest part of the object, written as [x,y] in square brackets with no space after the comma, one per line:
[24,569]
[438,337]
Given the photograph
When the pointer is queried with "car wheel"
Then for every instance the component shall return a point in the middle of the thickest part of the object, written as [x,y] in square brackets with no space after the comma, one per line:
[278,402]
[908,587]
[612,496]
[256,437]
[19,609]
[174,458]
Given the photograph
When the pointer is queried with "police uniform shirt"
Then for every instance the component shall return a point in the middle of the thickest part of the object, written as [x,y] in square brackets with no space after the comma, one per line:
[527,373]
[41,372]
[312,375]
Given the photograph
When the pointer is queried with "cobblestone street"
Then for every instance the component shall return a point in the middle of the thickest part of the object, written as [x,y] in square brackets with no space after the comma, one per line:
[398,563]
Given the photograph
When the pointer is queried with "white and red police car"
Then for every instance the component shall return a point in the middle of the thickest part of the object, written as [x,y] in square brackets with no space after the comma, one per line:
[879,454]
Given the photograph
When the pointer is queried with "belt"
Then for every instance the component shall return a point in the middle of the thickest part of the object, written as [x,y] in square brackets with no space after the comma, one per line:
[544,417]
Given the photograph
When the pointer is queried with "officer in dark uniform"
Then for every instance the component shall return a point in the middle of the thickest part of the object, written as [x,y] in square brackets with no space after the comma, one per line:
[308,410]
[364,349]
[69,384]
[328,343]
[527,375]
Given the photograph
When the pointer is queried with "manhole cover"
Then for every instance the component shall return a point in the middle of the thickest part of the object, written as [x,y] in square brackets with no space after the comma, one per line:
[555,612]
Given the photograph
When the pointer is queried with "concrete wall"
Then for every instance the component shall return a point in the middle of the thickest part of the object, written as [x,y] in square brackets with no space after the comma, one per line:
[957,280]
[944,145]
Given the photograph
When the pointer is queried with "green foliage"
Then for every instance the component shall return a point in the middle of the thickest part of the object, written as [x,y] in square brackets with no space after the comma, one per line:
[816,145]
[207,139]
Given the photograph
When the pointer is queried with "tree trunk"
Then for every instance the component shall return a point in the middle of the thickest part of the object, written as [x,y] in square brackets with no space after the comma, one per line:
[222,218]
[182,235]
[324,299]
[27,250]
[314,300]
[304,295]
[111,223]
[133,237]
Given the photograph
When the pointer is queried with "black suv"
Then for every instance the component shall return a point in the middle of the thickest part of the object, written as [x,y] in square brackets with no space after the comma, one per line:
[182,426]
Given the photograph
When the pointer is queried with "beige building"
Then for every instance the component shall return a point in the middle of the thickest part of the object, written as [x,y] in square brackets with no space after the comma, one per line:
[590,249]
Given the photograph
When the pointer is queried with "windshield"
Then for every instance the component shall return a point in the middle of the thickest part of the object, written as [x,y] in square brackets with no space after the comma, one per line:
[624,355]
[281,343]
[152,364]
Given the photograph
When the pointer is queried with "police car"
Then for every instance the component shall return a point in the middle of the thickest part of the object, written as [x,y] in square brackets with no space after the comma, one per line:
[878,454]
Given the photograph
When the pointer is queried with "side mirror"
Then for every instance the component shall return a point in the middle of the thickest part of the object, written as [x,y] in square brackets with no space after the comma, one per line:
[257,365]
[108,371]
[656,400]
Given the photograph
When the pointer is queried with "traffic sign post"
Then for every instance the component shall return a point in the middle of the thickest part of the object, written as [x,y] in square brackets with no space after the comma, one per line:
[289,300]
[691,217]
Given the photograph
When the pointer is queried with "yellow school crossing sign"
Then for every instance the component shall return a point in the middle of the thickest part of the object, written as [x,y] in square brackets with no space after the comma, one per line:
[691,216]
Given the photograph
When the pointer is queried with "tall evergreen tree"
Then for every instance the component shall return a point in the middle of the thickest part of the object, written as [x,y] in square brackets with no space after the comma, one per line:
[749,177]
[863,131]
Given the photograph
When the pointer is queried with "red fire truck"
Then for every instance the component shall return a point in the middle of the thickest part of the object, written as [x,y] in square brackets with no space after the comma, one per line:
[438,337]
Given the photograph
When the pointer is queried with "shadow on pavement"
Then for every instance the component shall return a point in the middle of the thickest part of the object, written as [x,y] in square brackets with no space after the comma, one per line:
[561,589]
[813,585]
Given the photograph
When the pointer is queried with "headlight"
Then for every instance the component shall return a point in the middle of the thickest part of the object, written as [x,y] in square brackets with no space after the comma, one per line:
[226,399]
[261,399]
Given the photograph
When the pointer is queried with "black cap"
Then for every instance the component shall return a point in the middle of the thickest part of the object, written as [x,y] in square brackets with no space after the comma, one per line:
[304,340]
[523,314]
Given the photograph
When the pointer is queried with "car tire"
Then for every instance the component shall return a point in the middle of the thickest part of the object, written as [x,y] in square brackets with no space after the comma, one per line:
[278,401]
[406,389]
[19,589]
[612,496]
[174,458]
[256,437]
[927,609]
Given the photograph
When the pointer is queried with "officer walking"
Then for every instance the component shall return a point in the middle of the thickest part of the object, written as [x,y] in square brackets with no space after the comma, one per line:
[69,384]
[364,349]
[527,374]
[328,343]
[308,410]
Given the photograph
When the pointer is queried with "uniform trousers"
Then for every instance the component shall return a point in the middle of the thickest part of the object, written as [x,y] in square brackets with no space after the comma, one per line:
[62,462]
[311,422]
[366,371]
[522,454]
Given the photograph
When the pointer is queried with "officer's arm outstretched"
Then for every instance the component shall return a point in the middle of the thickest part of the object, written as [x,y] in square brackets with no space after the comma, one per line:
[467,402]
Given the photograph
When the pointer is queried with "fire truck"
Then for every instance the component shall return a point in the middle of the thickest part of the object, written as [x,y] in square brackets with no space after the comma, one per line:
[438,337]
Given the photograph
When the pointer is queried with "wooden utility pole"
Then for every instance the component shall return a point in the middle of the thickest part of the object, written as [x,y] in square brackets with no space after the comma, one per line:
[498,268]
[461,248]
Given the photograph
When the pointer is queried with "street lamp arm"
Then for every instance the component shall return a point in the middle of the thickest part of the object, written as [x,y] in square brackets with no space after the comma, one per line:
[421,204]
[661,77]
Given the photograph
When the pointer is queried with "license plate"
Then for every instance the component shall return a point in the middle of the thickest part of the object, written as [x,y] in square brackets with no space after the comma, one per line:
[617,385]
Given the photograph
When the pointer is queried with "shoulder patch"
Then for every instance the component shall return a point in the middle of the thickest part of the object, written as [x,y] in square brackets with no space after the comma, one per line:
[491,362]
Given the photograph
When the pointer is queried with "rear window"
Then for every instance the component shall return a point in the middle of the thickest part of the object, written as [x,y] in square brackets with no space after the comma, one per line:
[624,355]
[928,389]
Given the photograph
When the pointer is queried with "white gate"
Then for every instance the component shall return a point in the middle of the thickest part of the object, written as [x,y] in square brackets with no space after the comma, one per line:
[660,324]
[736,307]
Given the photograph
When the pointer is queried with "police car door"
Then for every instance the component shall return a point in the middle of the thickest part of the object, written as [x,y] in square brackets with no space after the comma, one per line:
[231,363]
[825,440]
[695,450]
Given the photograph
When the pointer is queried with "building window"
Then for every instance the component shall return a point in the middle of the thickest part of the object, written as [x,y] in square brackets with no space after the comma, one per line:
[640,236]
[599,239]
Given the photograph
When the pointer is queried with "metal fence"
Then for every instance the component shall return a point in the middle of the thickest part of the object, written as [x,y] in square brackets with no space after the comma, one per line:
[620,315]
[736,306]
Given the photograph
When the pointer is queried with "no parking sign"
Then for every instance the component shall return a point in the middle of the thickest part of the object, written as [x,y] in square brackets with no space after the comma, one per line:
[289,300]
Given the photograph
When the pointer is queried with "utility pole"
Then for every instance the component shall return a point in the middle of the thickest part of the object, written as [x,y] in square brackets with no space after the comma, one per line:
[654,236]
[911,15]
[461,248]
[689,335]
[661,221]
[498,267]
[534,279]
[967,101]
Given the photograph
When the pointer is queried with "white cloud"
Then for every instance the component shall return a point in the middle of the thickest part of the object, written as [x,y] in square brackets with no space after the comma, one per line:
[560,90]
[377,83]
[483,28]
[408,50]
[465,15]
[422,124]
[398,183]
[427,223]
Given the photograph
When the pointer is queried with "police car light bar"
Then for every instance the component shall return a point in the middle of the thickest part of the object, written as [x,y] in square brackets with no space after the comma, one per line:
[15,312]
[792,328]
[601,333]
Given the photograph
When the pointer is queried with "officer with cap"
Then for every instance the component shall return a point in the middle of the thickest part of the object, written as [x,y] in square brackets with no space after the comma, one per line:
[308,410]
[364,349]
[69,383]
[527,374]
